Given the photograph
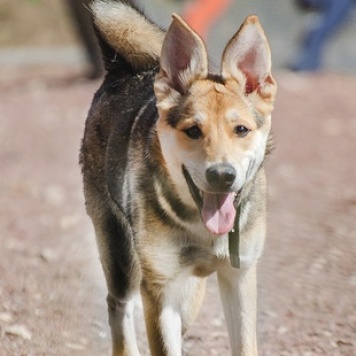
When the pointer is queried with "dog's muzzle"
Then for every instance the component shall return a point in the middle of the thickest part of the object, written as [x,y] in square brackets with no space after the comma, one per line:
[197,193]
[218,209]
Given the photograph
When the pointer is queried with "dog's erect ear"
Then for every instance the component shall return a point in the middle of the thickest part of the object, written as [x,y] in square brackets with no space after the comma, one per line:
[183,59]
[247,57]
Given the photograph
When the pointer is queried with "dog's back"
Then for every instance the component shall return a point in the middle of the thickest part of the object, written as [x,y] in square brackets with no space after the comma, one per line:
[130,46]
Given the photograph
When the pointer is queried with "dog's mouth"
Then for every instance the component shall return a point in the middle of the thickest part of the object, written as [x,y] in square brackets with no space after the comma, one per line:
[217,210]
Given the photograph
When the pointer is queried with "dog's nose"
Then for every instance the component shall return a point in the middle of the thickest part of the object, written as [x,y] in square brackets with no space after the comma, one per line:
[221,176]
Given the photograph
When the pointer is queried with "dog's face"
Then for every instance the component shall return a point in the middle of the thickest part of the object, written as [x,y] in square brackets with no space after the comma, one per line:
[214,129]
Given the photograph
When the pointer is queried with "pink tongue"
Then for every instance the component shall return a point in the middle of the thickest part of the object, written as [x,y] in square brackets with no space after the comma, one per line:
[218,212]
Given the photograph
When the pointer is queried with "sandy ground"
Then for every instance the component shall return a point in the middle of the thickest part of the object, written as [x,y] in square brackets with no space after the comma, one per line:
[52,293]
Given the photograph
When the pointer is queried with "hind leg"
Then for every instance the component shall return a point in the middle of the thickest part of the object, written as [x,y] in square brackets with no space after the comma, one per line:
[122,277]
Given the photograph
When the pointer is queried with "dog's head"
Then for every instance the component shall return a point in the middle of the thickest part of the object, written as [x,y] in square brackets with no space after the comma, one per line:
[214,130]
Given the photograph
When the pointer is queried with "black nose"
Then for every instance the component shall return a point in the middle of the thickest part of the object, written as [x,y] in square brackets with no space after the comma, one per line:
[221,176]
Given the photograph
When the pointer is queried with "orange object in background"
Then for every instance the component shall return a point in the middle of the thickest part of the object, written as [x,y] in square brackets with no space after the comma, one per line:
[202,14]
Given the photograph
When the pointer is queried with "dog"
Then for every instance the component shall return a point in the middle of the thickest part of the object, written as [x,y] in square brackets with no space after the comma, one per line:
[173,167]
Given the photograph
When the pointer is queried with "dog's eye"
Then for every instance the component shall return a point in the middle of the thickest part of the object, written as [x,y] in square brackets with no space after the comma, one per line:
[193,132]
[241,130]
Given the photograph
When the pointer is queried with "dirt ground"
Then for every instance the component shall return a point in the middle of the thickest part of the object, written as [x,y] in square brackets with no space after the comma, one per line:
[52,292]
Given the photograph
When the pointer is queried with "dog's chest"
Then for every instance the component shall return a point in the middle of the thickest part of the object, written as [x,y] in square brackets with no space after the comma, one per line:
[168,252]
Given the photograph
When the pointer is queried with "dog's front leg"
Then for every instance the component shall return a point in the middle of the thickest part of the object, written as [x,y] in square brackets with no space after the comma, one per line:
[238,295]
[170,308]
[163,321]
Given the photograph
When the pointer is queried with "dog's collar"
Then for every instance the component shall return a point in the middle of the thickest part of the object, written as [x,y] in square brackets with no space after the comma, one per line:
[234,239]
[234,234]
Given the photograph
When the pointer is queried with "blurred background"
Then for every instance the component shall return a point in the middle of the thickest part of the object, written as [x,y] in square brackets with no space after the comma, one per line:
[42,32]
[52,291]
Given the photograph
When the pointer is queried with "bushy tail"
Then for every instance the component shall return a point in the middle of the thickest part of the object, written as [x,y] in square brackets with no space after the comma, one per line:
[127,38]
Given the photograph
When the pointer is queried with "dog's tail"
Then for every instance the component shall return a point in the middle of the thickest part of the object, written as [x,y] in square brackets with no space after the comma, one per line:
[128,40]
